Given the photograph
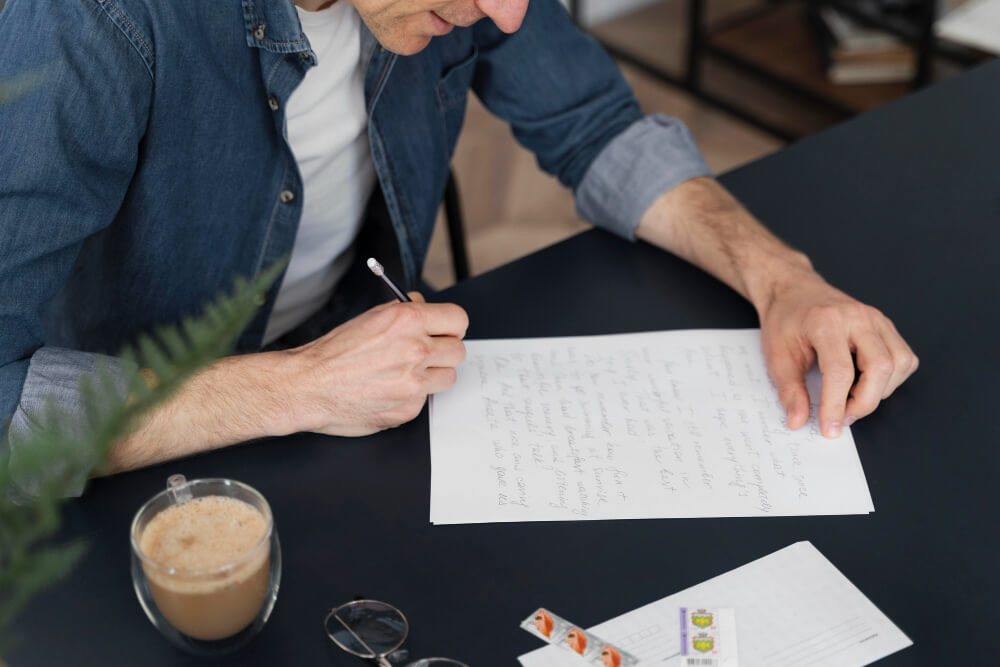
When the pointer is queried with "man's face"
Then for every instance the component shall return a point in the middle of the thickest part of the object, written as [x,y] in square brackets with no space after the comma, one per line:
[407,26]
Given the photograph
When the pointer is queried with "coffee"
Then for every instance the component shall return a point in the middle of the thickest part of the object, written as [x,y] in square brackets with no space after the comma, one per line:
[220,565]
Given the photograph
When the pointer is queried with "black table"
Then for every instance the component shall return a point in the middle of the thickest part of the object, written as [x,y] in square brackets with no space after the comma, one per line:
[900,207]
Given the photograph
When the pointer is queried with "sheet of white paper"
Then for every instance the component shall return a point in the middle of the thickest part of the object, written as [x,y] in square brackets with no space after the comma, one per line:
[646,425]
[975,23]
[793,608]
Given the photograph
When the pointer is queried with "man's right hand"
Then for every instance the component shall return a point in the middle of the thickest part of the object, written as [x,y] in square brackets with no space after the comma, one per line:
[374,371]
[368,374]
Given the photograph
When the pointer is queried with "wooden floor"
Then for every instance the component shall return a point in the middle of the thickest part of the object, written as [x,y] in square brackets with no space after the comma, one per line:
[512,208]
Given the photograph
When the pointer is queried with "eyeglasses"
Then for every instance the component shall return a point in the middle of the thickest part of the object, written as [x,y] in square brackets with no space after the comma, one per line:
[375,630]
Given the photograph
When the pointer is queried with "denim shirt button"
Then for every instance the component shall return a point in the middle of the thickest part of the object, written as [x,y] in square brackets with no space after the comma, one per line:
[272,102]
[287,196]
[258,32]
[304,55]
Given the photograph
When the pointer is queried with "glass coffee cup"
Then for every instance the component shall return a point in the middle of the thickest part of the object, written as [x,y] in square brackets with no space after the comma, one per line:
[206,563]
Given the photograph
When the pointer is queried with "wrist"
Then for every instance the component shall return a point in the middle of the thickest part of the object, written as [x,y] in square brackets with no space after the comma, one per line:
[240,398]
[775,273]
[268,381]
[701,222]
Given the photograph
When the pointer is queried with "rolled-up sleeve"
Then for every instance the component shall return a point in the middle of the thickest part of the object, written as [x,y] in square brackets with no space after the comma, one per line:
[53,377]
[567,102]
[649,158]
[562,94]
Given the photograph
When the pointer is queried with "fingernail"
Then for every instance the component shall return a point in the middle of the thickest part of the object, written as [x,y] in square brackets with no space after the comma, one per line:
[849,420]
[834,430]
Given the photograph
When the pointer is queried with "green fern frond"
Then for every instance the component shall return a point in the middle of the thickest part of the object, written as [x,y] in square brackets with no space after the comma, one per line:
[59,456]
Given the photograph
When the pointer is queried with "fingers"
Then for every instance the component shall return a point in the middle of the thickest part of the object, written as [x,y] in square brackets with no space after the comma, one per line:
[439,379]
[445,319]
[405,409]
[444,351]
[904,361]
[875,364]
[408,405]
[417,297]
[883,358]
[792,392]
[885,362]
[433,319]
[806,319]
[835,363]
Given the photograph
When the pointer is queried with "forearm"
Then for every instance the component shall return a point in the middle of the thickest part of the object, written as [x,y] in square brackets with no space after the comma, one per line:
[701,222]
[235,399]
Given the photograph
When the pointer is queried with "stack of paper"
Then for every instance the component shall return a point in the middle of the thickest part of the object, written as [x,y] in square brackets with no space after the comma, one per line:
[662,424]
[793,608]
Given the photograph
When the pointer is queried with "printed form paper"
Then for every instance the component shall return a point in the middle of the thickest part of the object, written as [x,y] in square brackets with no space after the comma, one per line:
[646,425]
[793,608]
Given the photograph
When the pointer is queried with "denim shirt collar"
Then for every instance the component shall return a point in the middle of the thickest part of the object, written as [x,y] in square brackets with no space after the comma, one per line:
[273,25]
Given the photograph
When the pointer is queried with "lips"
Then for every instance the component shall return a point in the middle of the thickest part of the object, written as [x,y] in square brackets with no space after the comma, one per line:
[441,27]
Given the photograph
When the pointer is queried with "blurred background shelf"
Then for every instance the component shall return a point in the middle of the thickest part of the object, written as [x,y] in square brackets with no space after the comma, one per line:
[773,44]
[780,48]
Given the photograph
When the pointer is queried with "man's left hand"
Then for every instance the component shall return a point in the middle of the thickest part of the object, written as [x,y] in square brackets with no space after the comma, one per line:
[808,321]
[803,319]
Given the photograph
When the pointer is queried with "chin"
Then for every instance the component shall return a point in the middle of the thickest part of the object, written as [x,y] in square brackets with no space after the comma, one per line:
[407,46]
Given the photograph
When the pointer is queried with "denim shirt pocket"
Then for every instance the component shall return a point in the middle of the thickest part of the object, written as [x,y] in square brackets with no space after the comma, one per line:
[452,92]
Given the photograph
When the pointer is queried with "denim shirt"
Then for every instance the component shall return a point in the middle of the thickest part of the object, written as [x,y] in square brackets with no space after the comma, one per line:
[150,167]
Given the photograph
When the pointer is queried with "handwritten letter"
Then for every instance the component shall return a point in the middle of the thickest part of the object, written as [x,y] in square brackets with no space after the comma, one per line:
[662,424]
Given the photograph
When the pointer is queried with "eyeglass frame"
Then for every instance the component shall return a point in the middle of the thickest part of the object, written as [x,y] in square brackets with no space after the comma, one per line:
[381,660]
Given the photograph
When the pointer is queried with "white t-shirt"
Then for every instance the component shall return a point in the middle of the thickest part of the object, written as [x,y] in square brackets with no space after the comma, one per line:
[327,128]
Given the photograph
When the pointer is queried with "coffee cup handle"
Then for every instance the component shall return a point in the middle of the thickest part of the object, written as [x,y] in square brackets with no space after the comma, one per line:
[178,487]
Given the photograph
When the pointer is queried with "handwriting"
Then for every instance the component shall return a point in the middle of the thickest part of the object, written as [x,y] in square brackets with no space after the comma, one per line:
[578,430]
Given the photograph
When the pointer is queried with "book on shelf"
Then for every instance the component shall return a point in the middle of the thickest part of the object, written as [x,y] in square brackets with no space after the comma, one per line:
[856,54]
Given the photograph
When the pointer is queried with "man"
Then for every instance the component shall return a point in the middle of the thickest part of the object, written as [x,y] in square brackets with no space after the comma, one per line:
[177,144]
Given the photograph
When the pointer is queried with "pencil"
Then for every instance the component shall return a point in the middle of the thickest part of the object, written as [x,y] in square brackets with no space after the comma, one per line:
[379,271]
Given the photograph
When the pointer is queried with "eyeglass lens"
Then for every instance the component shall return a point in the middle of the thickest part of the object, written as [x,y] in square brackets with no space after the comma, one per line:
[367,628]
[373,629]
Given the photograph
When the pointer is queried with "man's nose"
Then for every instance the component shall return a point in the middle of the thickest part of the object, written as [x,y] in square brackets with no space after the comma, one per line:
[507,14]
